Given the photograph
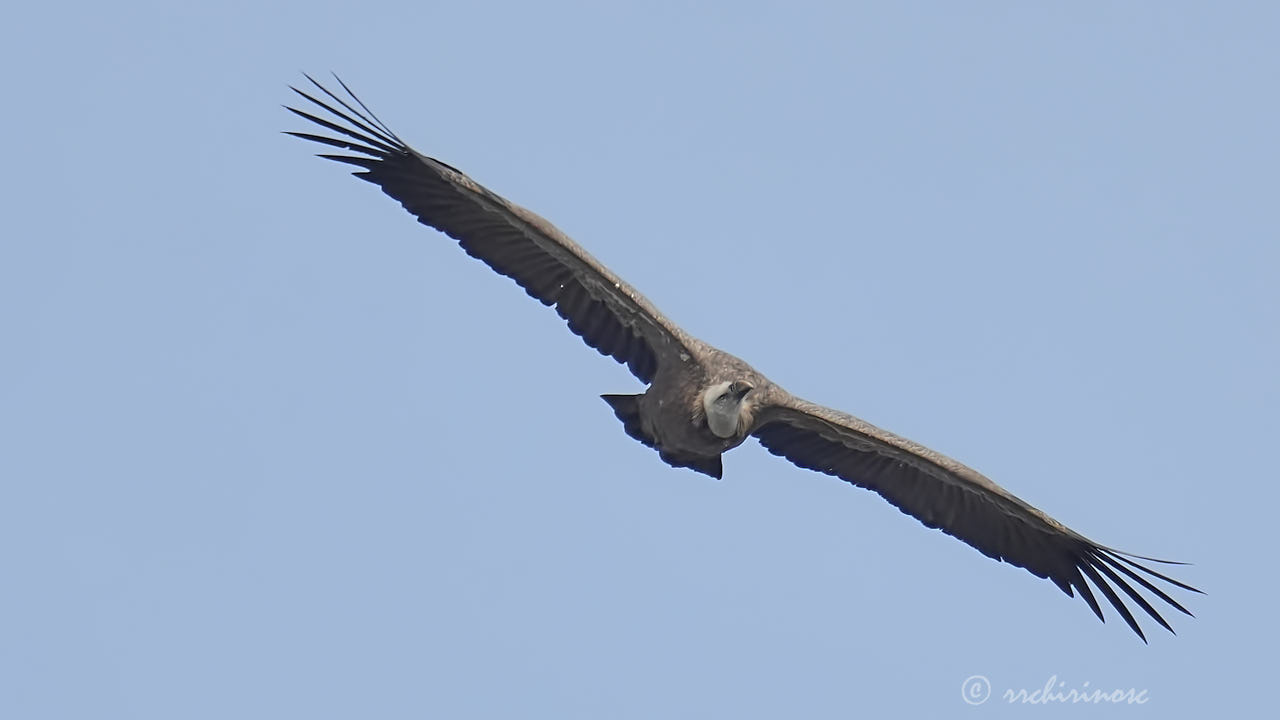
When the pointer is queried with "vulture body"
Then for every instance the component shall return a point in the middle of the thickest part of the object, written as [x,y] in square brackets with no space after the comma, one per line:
[702,401]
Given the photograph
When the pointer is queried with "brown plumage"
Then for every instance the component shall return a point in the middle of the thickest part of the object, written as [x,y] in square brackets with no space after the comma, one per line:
[702,401]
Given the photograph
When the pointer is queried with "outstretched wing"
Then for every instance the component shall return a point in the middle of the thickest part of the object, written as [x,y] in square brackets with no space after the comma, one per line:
[606,312]
[944,494]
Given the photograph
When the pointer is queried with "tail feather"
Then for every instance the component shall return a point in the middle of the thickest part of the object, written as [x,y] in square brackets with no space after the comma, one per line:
[627,408]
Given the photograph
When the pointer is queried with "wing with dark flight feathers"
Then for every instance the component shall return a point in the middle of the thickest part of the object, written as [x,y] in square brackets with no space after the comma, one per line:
[607,313]
[944,494]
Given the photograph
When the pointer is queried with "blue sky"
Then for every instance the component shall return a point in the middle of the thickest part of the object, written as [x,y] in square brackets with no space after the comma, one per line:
[272,449]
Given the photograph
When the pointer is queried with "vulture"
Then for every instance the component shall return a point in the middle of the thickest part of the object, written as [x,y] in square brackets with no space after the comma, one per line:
[701,401]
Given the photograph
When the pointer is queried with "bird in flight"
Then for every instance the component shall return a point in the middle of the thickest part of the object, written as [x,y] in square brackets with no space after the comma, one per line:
[702,401]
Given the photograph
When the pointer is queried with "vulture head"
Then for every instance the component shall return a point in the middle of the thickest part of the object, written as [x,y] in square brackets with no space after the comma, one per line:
[726,412]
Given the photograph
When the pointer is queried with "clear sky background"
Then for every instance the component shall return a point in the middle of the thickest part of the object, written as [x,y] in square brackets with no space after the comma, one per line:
[268,448]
